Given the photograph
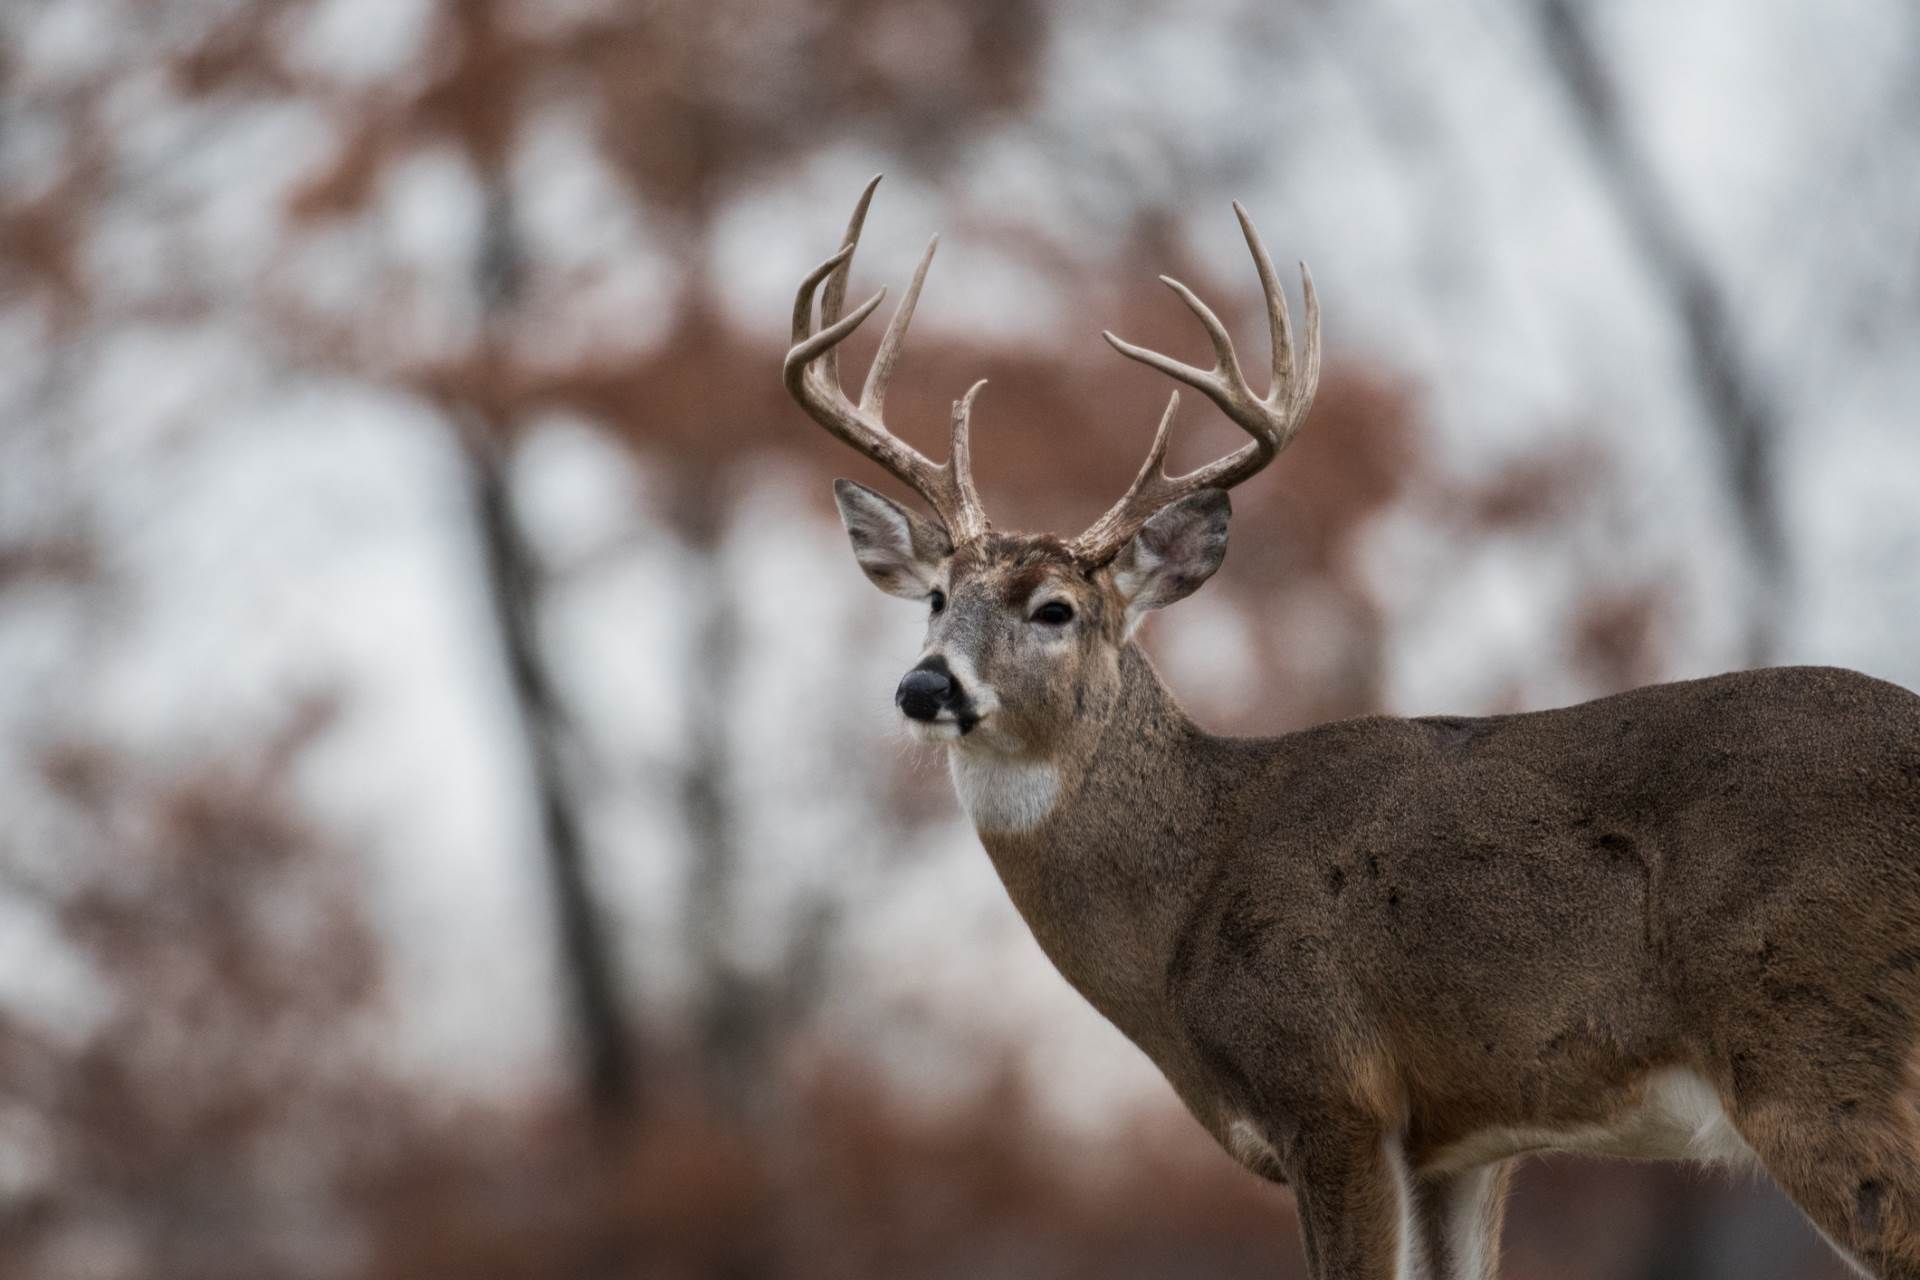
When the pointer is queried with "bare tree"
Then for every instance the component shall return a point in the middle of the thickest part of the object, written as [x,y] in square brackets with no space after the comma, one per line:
[513,582]
[1744,419]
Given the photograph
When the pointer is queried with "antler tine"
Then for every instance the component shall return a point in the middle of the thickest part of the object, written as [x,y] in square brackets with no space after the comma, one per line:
[874,393]
[1271,419]
[836,295]
[812,376]
[1157,451]
[809,346]
[803,300]
[1226,365]
[1279,322]
[1310,382]
[960,450]
[1104,536]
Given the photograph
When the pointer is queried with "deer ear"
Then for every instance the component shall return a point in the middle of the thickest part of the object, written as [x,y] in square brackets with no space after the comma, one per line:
[1172,554]
[898,549]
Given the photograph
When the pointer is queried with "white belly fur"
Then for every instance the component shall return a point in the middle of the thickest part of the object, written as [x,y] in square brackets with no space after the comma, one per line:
[1678,1116]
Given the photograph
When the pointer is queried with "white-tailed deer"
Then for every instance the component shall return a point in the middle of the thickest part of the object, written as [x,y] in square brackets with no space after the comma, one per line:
[1382,958]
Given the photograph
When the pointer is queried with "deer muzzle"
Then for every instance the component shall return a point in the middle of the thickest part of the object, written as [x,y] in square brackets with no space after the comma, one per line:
[931,693]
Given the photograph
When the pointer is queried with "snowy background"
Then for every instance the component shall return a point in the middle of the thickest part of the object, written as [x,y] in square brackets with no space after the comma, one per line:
[441,725]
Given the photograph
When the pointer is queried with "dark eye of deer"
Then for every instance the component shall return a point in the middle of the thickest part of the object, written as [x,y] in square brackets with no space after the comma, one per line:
[938,599]
[1054,613]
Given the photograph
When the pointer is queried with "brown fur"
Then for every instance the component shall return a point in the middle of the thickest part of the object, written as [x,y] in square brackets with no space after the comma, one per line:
[1378,959]
[1412,932]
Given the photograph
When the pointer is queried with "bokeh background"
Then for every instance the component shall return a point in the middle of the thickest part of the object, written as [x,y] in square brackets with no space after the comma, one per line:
[454,822]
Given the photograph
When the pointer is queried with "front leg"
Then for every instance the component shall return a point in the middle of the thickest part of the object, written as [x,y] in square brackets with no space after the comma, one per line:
[1357,1204]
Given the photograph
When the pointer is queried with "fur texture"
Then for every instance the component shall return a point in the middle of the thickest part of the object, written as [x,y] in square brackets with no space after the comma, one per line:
[1379,958]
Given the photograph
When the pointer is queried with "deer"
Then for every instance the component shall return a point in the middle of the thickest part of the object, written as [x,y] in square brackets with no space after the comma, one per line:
[1380,960]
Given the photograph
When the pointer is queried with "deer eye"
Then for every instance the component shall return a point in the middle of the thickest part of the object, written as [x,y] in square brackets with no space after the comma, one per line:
[1054,613]
[938,599]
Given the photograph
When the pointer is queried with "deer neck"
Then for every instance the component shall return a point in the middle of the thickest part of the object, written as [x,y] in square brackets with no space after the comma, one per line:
[1098,842]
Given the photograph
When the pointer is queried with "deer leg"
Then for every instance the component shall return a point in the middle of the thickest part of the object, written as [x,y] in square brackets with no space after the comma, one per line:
[1458,1217]
[1857,1176]
[1356,1203]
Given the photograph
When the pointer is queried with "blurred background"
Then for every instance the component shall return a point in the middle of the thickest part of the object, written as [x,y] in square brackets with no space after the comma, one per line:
[455,822]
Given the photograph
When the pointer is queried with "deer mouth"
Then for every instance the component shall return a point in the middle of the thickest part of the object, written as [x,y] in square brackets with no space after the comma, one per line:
[950,725]
[934,731]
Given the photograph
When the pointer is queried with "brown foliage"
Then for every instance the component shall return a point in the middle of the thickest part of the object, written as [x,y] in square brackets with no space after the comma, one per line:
[231,958]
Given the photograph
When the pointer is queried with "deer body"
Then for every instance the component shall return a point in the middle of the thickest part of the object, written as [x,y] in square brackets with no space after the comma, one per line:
[1498,935]
[1378,959]
[1645,926]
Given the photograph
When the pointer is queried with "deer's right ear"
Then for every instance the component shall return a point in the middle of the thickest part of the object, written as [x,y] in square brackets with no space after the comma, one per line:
[1174,552]
[898,549]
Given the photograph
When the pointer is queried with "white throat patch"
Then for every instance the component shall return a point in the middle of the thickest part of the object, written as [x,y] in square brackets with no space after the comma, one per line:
[1002,795]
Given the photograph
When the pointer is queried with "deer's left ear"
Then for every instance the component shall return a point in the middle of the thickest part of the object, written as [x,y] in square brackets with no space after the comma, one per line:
[1174,552]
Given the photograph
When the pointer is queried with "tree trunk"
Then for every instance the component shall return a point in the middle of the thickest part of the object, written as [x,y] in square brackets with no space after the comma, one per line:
[1745,422]
[586,962]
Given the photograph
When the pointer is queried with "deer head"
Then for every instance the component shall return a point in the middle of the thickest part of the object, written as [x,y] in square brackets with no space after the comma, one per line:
[1024,630]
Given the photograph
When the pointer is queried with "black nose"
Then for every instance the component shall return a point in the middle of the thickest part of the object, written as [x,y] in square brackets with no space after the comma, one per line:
[925,690]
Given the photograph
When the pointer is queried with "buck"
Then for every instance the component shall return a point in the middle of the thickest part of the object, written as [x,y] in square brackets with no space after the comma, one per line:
[1380,959]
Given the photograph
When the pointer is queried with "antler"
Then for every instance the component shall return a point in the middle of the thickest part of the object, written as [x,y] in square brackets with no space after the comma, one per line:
[813,378]
[1271,420]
